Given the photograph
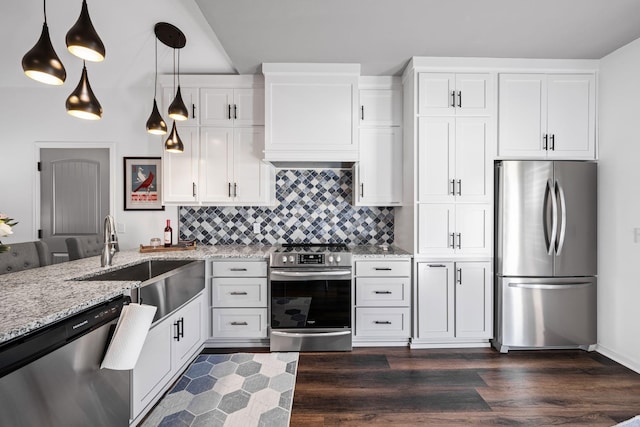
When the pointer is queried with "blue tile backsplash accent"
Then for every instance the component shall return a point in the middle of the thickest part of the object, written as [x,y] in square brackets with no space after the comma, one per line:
[312,206]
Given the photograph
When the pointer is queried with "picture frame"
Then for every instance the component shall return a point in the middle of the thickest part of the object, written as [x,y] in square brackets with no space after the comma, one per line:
[143,184]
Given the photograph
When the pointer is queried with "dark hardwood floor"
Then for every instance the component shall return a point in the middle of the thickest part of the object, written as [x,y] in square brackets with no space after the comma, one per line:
[452,387]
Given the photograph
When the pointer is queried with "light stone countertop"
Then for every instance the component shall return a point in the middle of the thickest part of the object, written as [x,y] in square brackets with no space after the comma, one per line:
[38,297]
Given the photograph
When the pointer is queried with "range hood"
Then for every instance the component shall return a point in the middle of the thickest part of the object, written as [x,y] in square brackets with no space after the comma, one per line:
[311,115]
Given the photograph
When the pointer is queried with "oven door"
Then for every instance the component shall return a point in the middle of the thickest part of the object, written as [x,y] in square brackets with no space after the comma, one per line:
[310,310]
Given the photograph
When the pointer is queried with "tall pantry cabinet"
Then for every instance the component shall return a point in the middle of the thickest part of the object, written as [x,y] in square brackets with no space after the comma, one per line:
[450,137]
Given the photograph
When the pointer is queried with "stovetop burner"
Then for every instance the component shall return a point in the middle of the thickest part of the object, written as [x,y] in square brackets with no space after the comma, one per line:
[314,247]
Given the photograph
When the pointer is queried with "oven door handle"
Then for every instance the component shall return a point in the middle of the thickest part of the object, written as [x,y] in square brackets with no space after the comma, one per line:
[310,334]
[313,275]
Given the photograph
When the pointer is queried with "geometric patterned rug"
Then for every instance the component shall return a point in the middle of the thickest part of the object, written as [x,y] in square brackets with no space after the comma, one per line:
[231,390]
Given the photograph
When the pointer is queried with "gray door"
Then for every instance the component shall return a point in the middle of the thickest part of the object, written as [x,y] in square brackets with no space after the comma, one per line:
[523,228]
[74,195]
[576,193]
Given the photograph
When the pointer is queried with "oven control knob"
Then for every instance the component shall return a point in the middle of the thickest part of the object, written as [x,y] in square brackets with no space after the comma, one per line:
[284,259]
[291,258]
[330,258]
[338,259]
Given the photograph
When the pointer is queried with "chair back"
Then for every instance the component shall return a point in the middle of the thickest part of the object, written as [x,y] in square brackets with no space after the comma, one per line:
[84,246]
[24,256]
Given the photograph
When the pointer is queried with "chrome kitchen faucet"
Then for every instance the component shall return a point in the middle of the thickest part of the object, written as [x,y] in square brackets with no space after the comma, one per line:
[110,241]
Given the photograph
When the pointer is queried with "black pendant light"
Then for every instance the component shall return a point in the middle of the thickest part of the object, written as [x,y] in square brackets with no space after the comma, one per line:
[174,144]
[177,109]
[83,40]
[41,63]
[82,102]
[156,124]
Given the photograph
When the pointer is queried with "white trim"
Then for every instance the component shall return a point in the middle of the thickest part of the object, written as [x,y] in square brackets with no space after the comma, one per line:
[111,146]
[623,360]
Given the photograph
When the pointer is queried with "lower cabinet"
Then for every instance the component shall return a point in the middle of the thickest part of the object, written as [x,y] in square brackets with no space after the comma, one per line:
[169,347]
[238,300]
[454,302]
[383,302]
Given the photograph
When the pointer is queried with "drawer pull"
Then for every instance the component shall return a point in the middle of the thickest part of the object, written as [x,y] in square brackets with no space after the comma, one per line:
[382,268]
[383,292]
[239,323]
[436,265]
[238,269]
[382,322]
[237,293]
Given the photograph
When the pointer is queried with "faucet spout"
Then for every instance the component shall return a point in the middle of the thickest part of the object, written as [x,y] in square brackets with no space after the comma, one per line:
[110,241]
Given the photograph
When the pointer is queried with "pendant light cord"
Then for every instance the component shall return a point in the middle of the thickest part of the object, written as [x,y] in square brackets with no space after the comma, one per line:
[44,6]
[155,82]
[178,67]
[174,70]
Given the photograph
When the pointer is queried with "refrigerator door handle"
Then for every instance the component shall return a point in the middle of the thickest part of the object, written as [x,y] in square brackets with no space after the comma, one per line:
[550,285]
[563,215]
[554,217]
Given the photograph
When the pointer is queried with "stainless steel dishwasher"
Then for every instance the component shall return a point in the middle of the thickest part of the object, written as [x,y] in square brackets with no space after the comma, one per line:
[52,376]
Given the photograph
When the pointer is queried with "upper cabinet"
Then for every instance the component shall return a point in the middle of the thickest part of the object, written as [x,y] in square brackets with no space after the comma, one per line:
[232,107]
[311,112]
[547,116]
[380,106]
[465,94]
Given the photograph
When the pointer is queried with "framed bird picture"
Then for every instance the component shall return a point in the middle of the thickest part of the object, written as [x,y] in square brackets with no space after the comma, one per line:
[142,184]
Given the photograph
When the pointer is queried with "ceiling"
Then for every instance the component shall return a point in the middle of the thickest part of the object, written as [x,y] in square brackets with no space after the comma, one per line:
[382,35]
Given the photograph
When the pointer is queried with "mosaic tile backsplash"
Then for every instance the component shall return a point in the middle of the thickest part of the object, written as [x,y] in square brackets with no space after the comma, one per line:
[312,206]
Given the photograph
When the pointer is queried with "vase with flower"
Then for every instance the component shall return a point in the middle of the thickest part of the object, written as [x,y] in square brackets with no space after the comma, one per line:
[6,224]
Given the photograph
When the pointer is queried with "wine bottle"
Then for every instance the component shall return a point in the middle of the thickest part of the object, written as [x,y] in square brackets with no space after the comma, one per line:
[168,235]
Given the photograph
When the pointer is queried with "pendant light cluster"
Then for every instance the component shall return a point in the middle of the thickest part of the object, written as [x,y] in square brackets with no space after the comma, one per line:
[42,63]
[174,38]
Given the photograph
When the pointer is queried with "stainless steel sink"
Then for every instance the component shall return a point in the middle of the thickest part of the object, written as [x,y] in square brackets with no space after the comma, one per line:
[167,284]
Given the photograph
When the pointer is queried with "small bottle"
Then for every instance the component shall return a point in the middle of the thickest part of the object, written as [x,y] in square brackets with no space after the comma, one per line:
[168,235]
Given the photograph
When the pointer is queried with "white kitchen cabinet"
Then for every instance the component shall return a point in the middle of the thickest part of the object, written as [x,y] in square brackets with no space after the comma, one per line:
[546,116]
[232,170]
[380,107]
[180,170]
[383,301]
[232,107]
[190,97]
[170,345]
[379,170]
[454,160]
[454,301]
[311,112]
[239,300]
[448,229]
[466,94]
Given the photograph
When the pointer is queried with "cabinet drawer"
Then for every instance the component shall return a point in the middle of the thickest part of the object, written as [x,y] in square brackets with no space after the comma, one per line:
[378,291]
[383,268]
[239,269]
[239,292]
[239,323]
[383,322]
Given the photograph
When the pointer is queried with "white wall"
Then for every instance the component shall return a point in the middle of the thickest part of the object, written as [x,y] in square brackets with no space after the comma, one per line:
[619,206]
[32,112]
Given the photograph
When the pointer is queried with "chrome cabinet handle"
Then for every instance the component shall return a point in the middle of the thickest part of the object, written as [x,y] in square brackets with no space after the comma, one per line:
[382,322]
[459,276]
[453,98]
[460,99]
[237,293]
[544,142]
[453,187]
[459,187]
[553,142]
[239,323]
[383,292]
[176,336]
[452,236]
[459,240]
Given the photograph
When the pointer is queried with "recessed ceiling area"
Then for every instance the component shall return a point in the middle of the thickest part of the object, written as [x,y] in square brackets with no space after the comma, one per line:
[382,35]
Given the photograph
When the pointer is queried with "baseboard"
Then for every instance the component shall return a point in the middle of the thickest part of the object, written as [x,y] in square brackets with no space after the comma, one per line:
[634,365]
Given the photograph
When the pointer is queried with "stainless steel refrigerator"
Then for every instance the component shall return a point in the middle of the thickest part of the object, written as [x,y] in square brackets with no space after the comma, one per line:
[545,254]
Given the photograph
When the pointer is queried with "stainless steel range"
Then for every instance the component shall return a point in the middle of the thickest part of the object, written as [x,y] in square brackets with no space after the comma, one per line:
[311,288]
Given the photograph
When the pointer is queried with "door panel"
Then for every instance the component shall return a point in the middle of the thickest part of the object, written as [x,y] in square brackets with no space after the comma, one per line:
[523,226]
[435,151]
[471,159]
[576,246]
[216,174]
[74,195]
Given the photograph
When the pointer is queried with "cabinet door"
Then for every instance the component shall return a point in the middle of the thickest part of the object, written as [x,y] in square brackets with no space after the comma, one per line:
[474,298]
[471,159]
[154,367]
[248,107]
[216,148]
[380,107]
[217,107]
[472,229]
[180,170]
[436,137]
[522,115]
[472,94]
[436,228]
[190,98]
[380,167]
[435,300]
[187,331]
[571,116]
[249,171]
[435,93]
